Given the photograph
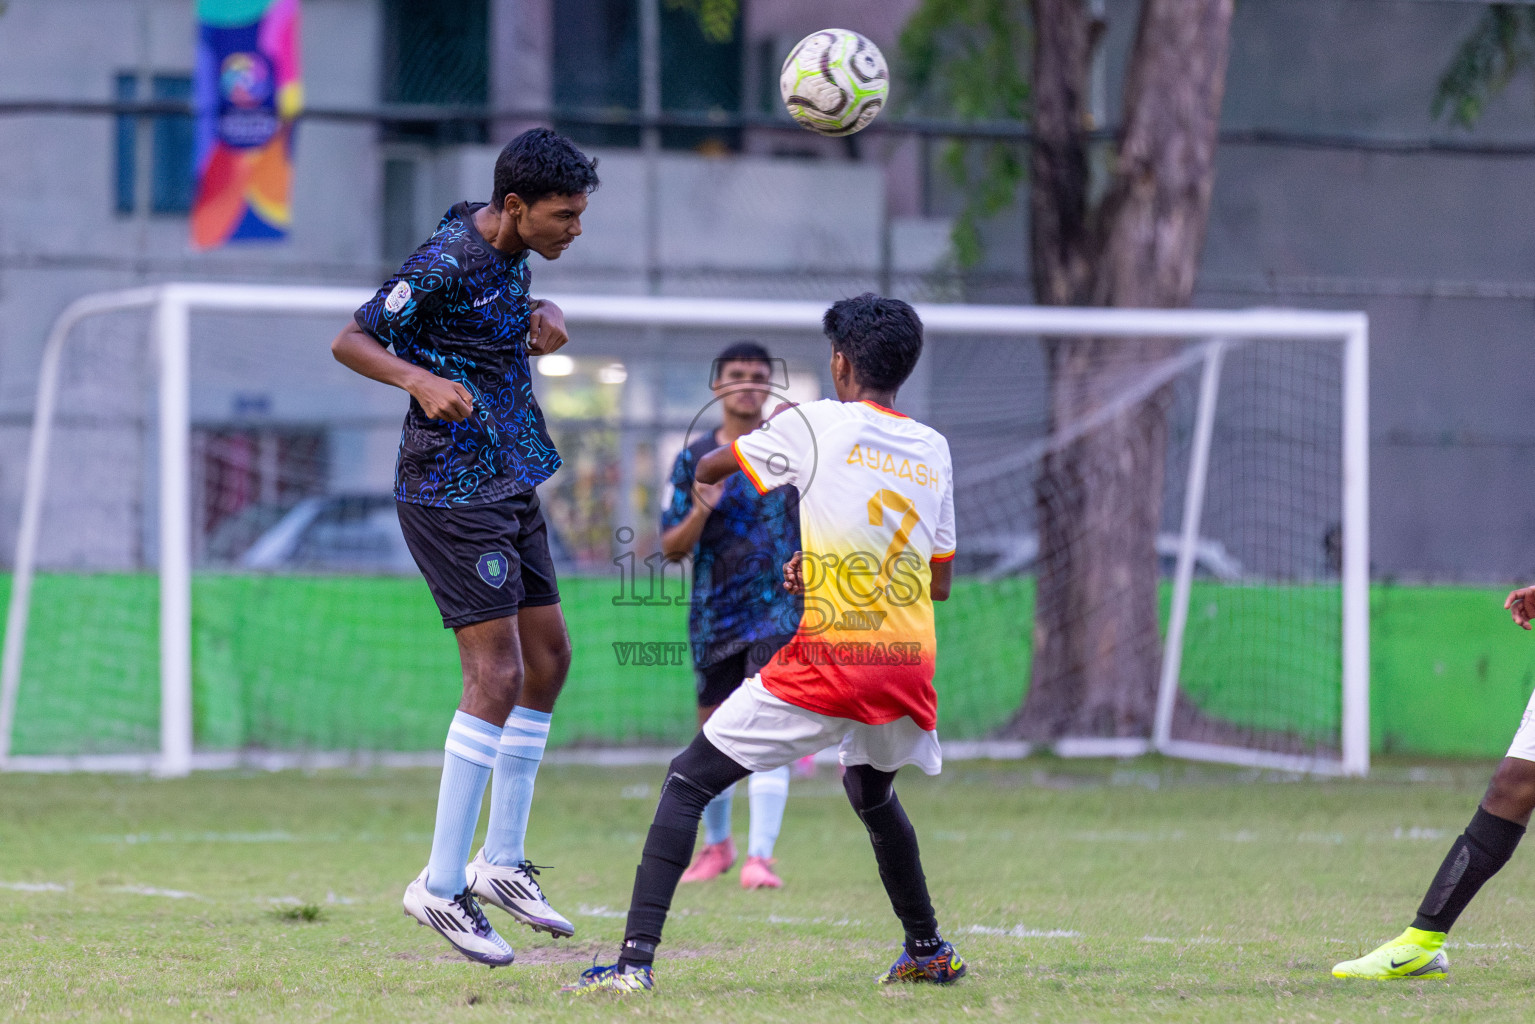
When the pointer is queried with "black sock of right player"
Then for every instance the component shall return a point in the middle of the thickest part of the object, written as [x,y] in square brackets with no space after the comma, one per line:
[872,794]
[1478,853]
[696,776]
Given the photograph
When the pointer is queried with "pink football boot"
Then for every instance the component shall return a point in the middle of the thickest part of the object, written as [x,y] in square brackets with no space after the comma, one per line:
[757,873]
[712,861]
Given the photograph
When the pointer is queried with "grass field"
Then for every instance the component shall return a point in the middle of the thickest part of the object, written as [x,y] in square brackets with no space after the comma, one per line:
[1079,891]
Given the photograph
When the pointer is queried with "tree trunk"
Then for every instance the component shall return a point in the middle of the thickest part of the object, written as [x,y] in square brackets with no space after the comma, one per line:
[1099,499]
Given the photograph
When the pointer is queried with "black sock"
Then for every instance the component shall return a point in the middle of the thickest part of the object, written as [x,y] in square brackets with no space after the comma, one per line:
[696,776]
[872,794]
[1478,853]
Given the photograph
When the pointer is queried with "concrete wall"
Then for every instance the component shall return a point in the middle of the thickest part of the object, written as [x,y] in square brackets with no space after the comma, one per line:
[743,219]
[1436,248]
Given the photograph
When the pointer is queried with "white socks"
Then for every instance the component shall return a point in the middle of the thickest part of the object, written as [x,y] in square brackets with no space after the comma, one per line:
[768,793]
[471,751]
[521,749]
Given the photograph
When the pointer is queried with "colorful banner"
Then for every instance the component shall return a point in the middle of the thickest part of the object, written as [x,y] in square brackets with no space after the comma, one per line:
[248,94]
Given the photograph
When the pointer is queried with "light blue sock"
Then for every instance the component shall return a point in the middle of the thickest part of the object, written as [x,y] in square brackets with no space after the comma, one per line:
[471,750]
[717,817]
[767,792]
[511,788]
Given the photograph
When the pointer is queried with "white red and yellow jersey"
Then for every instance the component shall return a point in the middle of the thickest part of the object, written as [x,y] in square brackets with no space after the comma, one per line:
[876,507]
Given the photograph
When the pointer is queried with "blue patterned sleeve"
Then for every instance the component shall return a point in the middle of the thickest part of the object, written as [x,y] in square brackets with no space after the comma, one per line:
[408,300]
[681,501]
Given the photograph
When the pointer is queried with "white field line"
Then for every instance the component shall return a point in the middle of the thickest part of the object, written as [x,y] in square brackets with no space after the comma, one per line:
[603,911]
[319,760]
[149,890]
[1111,836]
[1401,833]
[1116,836]
[841,922]
[34,886]
[1018,931]
[1325,838]
[1420,833]
[294,901]
[274,836]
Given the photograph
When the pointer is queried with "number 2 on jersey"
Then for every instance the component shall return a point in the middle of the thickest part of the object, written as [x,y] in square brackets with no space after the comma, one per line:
[895,502]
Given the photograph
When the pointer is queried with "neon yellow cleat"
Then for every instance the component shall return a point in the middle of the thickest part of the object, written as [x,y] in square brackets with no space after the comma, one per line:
[1412,954]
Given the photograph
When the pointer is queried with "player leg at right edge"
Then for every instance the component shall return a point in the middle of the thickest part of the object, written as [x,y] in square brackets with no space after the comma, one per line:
[1477,854]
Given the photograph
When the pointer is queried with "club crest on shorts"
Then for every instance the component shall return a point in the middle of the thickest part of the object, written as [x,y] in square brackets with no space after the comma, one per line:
[492,568]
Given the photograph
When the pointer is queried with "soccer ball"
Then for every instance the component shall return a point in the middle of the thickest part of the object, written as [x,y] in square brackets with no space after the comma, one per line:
[834,82]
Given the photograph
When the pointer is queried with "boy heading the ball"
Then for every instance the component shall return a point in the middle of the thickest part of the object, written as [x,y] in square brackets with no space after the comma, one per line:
[473,449]
[876,506]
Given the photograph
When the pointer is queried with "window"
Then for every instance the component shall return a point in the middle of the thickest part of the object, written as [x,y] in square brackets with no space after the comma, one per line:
[437,53]
[170,143]
[402,228]
[597,66]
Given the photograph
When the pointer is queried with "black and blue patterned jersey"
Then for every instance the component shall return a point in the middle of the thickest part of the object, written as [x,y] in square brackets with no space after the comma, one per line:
[459,308]
[738,596]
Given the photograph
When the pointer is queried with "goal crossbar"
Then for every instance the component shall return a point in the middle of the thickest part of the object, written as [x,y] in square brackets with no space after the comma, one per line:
[172,304]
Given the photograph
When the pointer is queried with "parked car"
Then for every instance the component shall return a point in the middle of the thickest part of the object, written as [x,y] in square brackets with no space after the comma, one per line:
[348,533]
[994,555]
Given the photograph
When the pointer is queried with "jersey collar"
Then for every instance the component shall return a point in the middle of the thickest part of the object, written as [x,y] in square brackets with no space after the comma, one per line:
[887,412]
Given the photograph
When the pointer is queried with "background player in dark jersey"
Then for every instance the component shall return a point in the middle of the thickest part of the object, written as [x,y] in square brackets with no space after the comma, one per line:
[740,613]
[472,451]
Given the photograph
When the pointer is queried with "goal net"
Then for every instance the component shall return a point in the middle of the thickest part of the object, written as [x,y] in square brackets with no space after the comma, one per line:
[1162,523]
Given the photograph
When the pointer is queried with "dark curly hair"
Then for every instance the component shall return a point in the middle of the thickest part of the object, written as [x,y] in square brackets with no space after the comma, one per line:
[540,163]
[881,337]
[744,351]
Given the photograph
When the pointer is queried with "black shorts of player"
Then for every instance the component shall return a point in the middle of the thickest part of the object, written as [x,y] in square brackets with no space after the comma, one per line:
[720,679]
[483,562]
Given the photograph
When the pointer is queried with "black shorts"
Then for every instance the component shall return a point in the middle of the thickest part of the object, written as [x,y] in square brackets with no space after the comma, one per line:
[719,680]
[483,562]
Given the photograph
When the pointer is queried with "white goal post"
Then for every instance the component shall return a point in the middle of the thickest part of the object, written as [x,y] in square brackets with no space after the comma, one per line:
[171,307]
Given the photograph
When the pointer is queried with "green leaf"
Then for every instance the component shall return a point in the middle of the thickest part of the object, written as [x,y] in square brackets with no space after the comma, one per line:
[1500,46]
[716,18]
[969,59]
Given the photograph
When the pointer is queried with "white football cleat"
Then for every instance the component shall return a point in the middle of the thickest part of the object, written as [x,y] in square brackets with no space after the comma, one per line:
[459,920]
[515,891]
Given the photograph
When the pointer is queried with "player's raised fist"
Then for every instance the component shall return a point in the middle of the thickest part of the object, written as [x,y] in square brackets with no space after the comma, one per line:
[442,399]
[546,328]
[1521,605]
[708,495]
[793,578]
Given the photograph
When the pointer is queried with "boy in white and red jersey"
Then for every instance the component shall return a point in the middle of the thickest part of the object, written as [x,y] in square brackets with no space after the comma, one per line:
[876,504]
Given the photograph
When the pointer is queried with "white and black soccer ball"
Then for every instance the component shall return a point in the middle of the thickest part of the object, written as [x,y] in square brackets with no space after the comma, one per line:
[834,82]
